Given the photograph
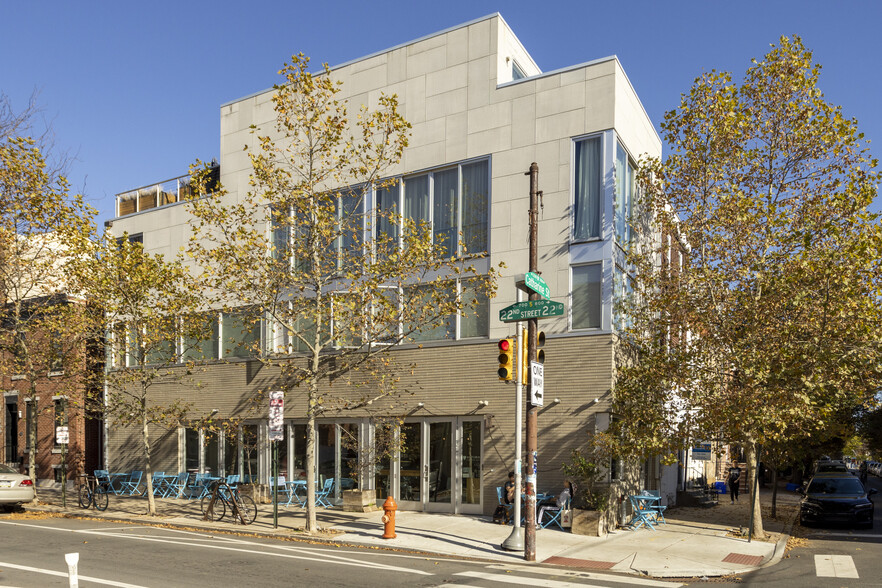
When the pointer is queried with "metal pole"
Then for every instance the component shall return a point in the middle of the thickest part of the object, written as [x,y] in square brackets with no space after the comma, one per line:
[515,541]
[275,485]
[532,410]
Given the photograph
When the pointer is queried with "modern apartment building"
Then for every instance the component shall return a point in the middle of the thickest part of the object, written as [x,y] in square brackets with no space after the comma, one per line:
[482,111]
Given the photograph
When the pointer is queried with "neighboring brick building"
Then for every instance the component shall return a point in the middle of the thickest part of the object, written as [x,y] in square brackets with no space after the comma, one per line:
[480,108]
[54,397]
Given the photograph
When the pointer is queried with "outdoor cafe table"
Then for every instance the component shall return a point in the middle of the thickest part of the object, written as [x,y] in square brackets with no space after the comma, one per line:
[162,482]
[294,486]
[645,511]
[116,481]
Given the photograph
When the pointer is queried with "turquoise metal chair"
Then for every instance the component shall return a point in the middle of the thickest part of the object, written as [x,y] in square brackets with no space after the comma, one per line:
[131,486]
[322,497]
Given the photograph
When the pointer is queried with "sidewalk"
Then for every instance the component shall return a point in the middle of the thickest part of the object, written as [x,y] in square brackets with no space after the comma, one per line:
[695,542]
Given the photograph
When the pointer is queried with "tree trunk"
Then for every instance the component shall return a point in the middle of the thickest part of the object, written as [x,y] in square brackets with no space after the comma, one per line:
[311,526]
[151,501]
[756,523]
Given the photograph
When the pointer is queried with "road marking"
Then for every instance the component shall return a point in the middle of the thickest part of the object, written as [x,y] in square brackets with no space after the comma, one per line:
[585,575]
[4,564]
[835,566]
[323,557]
[823,534]
[509,579]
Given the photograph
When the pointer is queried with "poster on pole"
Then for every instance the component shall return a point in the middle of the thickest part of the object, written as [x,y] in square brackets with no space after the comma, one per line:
[276,415]
[701,452]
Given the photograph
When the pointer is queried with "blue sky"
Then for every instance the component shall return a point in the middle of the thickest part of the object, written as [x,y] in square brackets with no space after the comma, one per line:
[134,89]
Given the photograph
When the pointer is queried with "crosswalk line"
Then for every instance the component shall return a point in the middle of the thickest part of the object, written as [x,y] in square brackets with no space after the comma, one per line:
[835,566]
[538,582]
[578,574]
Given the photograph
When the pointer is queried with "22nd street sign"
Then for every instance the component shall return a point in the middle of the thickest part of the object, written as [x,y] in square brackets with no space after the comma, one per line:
[531,309]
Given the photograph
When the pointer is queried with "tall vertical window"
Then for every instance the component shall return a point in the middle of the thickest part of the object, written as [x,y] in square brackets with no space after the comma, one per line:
[475,218]
[587,296]
[625,175]
[240,334]
[387,220]
[446,209]
[281,233]
[623,288]
[474,322]
[588,183]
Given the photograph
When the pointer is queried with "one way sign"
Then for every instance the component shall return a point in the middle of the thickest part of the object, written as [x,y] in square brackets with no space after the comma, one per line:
[537,377]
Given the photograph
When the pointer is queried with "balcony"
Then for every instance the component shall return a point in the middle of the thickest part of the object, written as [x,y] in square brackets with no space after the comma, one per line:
[161,194]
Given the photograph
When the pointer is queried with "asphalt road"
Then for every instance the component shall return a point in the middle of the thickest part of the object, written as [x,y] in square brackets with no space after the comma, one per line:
[32,553]
[829,556]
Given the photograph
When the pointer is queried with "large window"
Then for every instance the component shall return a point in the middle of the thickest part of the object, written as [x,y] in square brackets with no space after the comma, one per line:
[588,184]
[587,300]
[200,337]
[625,181]
[473,322]
[240,334]
[452,201]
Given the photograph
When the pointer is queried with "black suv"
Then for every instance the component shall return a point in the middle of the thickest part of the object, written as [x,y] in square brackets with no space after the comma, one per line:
[836,498]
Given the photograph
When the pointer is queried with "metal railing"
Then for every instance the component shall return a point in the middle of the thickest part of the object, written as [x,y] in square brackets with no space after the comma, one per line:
[160,194]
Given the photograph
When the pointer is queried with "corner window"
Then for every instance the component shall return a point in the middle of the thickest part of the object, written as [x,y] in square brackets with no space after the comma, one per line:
[516,72]
[587,300]
[625,176]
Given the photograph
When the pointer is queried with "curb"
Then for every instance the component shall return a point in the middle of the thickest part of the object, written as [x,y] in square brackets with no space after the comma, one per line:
[781,545]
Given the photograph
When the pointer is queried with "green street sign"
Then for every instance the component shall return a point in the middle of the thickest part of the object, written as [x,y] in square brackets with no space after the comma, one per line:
[535,283]
[531,309]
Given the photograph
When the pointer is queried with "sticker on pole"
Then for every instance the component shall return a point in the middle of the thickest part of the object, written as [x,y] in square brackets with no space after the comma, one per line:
[276,415]
[537,377]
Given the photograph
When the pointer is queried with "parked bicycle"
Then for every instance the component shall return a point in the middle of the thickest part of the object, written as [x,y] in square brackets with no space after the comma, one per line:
[222,496]
[92,492]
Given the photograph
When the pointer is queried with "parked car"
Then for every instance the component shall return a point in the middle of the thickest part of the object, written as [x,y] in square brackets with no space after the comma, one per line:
[828,467]
[836,498]
[15,488]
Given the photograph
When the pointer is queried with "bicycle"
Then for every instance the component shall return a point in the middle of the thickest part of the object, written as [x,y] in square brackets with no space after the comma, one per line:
[92,492]
[214,505]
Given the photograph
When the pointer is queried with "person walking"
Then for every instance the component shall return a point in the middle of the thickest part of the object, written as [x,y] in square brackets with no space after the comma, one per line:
[734,479]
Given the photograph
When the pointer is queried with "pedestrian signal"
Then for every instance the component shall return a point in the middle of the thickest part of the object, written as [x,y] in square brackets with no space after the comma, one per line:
[506,361]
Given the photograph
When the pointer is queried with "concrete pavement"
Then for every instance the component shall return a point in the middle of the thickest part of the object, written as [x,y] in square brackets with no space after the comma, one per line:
[695,542]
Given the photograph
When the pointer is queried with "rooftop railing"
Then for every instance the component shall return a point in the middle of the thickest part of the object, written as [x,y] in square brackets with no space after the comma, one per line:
[156,195]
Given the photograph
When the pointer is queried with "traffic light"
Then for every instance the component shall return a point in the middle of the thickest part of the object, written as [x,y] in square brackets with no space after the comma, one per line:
[525,360]
[506,361]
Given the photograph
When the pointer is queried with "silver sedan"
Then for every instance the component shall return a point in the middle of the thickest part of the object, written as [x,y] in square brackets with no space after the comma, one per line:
[15,488]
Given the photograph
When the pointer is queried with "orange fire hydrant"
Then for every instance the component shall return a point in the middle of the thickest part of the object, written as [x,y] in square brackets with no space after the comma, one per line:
[389,507]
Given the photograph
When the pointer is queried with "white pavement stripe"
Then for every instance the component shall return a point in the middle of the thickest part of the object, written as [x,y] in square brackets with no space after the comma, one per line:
[835,566]
[823,534]
[4,564]
[543,583]
[323,557]
[572,573]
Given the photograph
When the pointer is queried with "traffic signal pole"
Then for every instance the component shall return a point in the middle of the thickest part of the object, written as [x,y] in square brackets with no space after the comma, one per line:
[532,410]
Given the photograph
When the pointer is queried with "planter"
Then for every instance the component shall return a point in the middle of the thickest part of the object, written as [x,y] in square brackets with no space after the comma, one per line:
[360,500]
[588,522]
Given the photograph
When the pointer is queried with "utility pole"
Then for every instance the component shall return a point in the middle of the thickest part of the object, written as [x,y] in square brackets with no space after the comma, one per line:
[532,410]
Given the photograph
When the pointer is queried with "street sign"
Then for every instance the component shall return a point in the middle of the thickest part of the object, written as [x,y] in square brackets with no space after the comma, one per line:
[702,452]
[535,283]
[276,415]
[531,309]
[62,435]
[537,377]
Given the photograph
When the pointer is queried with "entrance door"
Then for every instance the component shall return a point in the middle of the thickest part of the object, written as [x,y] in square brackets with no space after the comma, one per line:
[439,465]
[11,440]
